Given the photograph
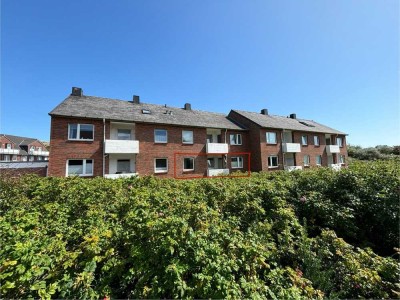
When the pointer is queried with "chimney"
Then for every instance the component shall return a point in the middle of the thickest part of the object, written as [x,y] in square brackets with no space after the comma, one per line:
[264,111]
[188,106]
[136,99]
[76,91]
[293,116]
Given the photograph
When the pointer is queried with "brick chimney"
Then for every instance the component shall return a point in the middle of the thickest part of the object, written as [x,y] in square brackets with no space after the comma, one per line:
[264,111]
[77,91]
[188,106]
[136,99]
[293,116]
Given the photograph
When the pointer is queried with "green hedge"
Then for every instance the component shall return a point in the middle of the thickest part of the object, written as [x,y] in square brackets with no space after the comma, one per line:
[310,234]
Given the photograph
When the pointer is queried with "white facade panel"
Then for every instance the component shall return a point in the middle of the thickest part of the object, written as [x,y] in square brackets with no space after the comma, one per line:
[332,149]
[121,146]
[219,148]
[291,147]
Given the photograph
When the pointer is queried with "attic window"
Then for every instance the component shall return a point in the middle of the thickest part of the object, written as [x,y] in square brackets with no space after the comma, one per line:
[146,111]
[304,123]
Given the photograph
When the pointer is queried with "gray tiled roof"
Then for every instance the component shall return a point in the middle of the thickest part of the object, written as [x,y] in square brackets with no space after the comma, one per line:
[272,121]
[119,110]
[19,140]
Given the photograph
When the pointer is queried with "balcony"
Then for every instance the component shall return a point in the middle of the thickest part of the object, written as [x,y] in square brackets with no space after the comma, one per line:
[293,168]
[121,175]
[9,151]
[332,149]
[291,147]
[216,148]
[217,172]
[121,146]
[335,167]
[39,152]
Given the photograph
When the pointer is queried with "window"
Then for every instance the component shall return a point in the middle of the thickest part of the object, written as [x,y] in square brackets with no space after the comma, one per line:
[80,132]
[8,146]
[188,164]
[237,162]
[123,166]
[7,157]
[31,158]
[39,158]
[273,161]
[235,139]
[161,165]
[187,137]
[271,137]
[342,159]
[306,160]
[304,140]
[31,149]
[318,160]
[14,158]
[123,134]
[24,158]
[160,136]
[80,167]
[316,140]
[39,149]
[339,141]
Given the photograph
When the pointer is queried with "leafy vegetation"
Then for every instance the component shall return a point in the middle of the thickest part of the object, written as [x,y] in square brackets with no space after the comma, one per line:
[311,234]
[374,153]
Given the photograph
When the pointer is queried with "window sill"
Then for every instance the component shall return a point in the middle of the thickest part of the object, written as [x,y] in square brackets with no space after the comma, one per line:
[80,140]
[161,172]
[188,171]
[236,168]
[187,144]
[163,143]
[273,167]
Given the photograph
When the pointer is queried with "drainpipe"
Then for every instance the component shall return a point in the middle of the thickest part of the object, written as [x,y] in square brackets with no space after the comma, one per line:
[226,155]
[283,154]
[104,145]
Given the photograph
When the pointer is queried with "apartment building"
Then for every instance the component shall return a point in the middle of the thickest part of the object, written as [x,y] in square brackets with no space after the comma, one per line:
[16,148]
[94,136]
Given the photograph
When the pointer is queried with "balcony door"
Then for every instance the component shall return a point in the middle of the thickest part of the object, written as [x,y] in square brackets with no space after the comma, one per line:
[287,137]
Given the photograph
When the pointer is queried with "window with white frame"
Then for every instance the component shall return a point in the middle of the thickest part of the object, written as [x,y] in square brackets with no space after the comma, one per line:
[160,136]
[14,158]
[31,149]
[188,164]
[342,159]
[304,140]
[235,139]
[161,165]
[24,158]
[306,160]
[318,160]
[123,134]
[81,132]
[31,158]
[7,157]
[123,166]
[237,162]
[316,140]
[80,167]
[273,161]
[339,141]
[271,138]
[8,146]
[187,137]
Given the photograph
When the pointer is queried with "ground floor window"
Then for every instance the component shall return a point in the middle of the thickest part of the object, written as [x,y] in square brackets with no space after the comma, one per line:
[80,167]
[123,166]
[188,164]
[318,160]
[161,165]
[342,159]
[273,161]
[237,162]
[306,160]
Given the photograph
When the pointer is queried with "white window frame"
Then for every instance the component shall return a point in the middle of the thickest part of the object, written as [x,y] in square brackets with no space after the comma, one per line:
[342,159]
[160,170]
[155,136]
[316,140]
[8,146]
[14,157]
[270,164]
[308,160]
[304,142]
[183,166]
[235,139]
[318,157]
[78,132]
[7,157]
[239,161]
[84,174]
[187,142]
[268,139]
[340,144]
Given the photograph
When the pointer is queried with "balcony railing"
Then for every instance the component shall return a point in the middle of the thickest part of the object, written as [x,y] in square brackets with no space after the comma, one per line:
[216,148]
[332,149]
[292,168]
[291,147]
[121,146]
[9,151]
[39,152]
[121,175]
[336,167]
[217,172]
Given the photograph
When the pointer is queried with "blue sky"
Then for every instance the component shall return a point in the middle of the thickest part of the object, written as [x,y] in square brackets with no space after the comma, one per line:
[335,62]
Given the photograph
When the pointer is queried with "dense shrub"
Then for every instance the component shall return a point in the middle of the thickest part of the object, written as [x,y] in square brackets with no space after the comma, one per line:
[272,235]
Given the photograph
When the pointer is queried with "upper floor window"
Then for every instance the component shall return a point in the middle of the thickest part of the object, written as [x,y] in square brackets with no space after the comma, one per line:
[80,167]
[306,160]
[342,159]
[235,139]
[187,137]
[271,138]
[8,146]
[304,140]
[339,141]
[237,162]
[272,161]
[80,132]
[123,134]
[160,136]
[316,140]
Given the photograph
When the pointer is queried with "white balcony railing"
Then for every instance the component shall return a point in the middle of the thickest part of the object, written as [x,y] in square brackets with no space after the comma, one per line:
[336,167]
[332,149]
[291,147]
[122,175]
[9,151]
[39,152]
[216,148]
[121,146]
[292,168]
[217,172]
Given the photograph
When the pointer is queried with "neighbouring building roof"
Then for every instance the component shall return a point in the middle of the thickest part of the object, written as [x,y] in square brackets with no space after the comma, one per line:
[279,122]
[19,140]
[119,110]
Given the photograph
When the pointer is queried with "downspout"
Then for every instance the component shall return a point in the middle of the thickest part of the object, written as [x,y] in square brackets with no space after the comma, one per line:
[104,142]
[283,154]
[226,155]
